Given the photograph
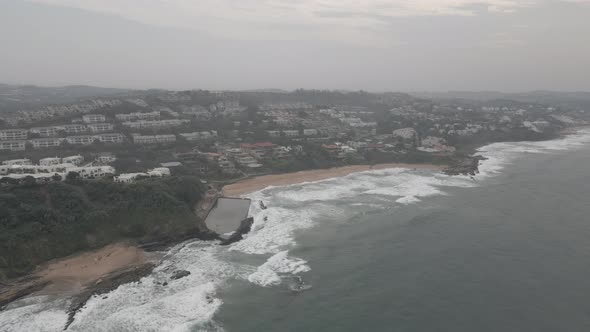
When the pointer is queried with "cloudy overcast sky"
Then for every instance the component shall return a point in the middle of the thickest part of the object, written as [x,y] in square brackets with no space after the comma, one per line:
[377,45]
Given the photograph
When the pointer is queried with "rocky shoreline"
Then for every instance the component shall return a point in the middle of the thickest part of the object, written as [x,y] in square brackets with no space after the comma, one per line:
[31,285]
[464,166]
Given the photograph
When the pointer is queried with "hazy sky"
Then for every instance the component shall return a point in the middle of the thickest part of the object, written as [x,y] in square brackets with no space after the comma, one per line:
[377,45]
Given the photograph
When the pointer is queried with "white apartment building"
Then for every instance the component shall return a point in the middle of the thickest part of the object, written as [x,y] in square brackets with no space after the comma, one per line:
[43,143]
[291,133]
[80,140]
[13,134]
[13,145]
[139,139]
[100,127]
[199,135]
[74,160]
[19,162]
[50,161]
[310,132]
[110,138]
[155,124]
[74,128]
[93,118]
[274,133]
[131,177]
[138,116]
[46,131]
[106,158]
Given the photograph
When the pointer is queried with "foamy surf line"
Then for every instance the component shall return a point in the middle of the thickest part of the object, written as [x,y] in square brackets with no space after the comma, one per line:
[191,303]
[499,155]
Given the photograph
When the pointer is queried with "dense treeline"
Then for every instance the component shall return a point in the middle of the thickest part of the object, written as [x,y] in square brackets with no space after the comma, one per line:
[39,222]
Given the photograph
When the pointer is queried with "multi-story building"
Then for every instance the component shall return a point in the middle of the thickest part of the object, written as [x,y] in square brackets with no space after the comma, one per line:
[13,134]
[110,138]
[75,160]
[75,128]
[93,118]
[80,140]
[46,131]
[142,124]
[42,143]
[100,127]
[13,145]
[199,135]
[139,139]
[138,116]
[291,133]
[17,162]
[310,132]
[105,158]
[50,161]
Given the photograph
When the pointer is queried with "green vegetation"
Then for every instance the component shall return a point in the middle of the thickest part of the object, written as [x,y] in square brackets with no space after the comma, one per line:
[39,222]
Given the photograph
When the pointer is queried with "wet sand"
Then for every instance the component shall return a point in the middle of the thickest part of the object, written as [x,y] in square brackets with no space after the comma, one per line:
[74,273]
[258,183]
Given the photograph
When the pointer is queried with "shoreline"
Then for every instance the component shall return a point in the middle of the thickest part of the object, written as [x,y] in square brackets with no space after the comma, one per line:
[77,273]
[250,185]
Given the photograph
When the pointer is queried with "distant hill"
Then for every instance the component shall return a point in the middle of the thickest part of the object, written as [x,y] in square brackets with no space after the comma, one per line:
[576,99]
[16,96]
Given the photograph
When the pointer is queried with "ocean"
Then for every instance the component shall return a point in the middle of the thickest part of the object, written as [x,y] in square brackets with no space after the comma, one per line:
[387,250]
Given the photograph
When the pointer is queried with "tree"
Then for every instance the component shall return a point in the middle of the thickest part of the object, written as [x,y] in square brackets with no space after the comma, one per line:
[72,176]
[56,177]
[29,181]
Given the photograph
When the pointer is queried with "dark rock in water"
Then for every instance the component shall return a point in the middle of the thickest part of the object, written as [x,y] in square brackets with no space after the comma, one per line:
[245,227]
[179,274]
[165,283]
[465,166]
[262,206]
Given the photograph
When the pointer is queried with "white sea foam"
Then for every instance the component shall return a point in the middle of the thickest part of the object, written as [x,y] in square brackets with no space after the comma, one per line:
[499,155]
[148,305]
[34,314]
[269,273]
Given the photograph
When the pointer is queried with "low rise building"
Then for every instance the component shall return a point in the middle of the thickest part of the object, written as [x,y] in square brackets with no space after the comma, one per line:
[17,162]
[105,158]
[142,124]
[153,139]
[131,177]
[13,134]
[13,145]
[199,135]
[112,138]
[74,160]
[46,131]
[93,118]
[138,116]
[100,127]
[43,143]
[80,140]
[50,161]
[75,128]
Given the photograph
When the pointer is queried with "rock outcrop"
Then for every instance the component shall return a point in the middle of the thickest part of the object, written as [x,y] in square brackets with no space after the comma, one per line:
[245,227]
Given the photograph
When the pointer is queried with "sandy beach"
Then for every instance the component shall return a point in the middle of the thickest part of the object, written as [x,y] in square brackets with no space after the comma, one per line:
[74,273]
[258,183]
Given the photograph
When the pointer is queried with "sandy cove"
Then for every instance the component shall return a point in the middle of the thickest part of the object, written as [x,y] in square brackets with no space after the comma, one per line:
[77,273]
[246,186]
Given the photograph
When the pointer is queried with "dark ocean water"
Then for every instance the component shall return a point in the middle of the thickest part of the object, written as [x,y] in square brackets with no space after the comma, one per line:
[510,254]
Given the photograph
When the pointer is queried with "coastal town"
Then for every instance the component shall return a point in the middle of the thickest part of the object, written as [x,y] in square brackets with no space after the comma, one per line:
[222,136]
[138,171]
